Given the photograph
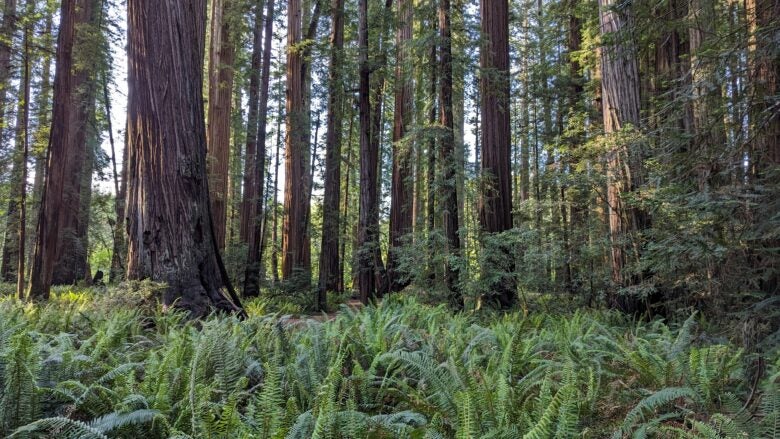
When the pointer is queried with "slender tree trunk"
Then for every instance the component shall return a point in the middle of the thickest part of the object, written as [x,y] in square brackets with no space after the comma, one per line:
[621,104]
[248,200]
[401,198]
[449,160]
[369,158]
[345,216]
[222,55]
[329,264]
[171,235]
[25,139]
[59,213]
[579,196]
[275,238]
[11,242]
[255,253]
[7,29]
[41,134]
[495,209]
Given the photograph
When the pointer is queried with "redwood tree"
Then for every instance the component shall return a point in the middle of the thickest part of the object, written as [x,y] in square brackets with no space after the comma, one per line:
[449,199]
[257,230]
[296,252]
[495,208]
[57,243]
[368,233]
[401,212]
[621,105]
[329,265]
[171,234]
[222,55]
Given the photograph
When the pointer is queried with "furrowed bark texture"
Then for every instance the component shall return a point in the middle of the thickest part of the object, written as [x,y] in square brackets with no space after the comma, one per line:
[171,236]
[58,245]
[495,207]
[329,252]
[402,195]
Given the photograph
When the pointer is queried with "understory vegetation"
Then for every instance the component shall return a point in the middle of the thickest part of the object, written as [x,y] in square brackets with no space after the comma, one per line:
[92,363]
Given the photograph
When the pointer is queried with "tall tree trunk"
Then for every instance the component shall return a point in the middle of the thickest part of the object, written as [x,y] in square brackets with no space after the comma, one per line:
[449,160]
[57,243]
[256,235]
[296,251]
[347,187]
[579,197]
[369,157]
[7,29]
[764,70]
[43,127]
[275,238]
[495,209]
[221,58]
[621,104]
[11,241]
[401,198]
[248,200]
[171,234]
[329,264]
[430,174]
[25,140]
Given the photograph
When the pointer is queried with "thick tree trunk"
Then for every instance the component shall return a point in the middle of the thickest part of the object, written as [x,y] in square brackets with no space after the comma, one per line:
[221,58]
[171,235]
[257,230]
[449,160]
[57,241]
[296,251]
[621,104]
[495,208]
[329,263]
[763,16]
[401,199]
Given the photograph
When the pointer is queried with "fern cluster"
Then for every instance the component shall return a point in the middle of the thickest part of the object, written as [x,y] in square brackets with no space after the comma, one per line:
[397,370]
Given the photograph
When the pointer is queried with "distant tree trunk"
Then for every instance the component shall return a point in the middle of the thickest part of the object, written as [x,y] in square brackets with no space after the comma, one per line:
[7,29]
[56,240]
[345,216]
[275,238]
[25,140]
[764,64]
[329,263]
[221,58]
[119,252]
[296,251]
[401,212]
[449,160]
[369,159]
[621,104]
[257,232]
[11,243]
[495,209]
[248,202]
[707,126]
[376,100]
[42,129]
[171,235]
[431,153]
[763,16]
[579,197]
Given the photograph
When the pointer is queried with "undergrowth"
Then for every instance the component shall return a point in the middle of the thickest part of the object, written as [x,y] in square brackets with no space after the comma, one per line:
[97,365]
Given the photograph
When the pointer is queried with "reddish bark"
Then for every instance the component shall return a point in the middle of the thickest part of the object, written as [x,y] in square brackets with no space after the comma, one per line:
[171,235]
[329,264]
[402,195]
[57,237]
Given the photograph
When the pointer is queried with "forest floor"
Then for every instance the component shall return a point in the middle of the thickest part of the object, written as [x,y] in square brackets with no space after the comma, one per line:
[97,363]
